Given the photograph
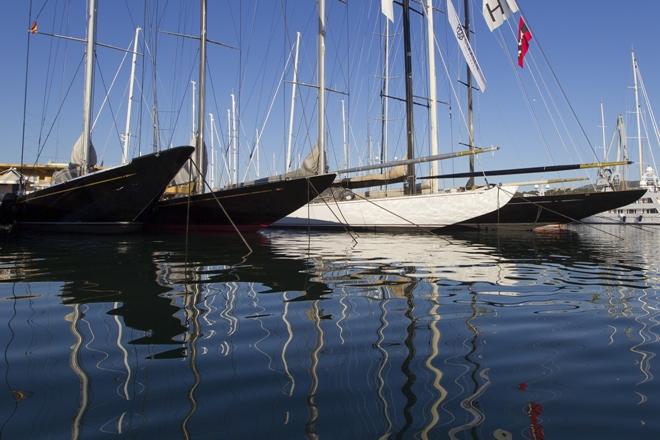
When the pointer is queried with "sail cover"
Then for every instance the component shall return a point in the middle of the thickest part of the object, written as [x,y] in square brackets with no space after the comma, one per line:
[78,154]
[390,175]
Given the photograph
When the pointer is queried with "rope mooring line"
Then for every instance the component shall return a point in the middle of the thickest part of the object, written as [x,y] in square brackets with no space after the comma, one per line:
[206,184]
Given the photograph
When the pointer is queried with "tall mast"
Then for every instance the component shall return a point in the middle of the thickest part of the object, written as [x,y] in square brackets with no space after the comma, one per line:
[199,148]
[433,114]
[343,133]
[470,182]
[409,96]
[385,93]
[321,80]
[602,127]
[193,114]
[228,153]
[256,148]
[211,126]
[637,116]
[622,148]
[294,86]
[89,83]
[234,141]
[127,131]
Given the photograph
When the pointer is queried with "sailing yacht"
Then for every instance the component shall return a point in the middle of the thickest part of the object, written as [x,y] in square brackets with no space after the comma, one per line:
[646,209]
[112,200]
[412,207]
[247,206]
[528,210]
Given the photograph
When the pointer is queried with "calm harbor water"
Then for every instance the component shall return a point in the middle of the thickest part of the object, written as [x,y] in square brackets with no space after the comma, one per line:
[468,335]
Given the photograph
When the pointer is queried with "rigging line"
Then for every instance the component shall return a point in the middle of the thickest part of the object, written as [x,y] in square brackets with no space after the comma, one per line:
[646,133]
[141,84]
[450,82]
[40,9]
[523,90]
[345,225]
[112,84]
[130,16]
[651,115]
[217,107]
[543,100]
[649,108]
[270,108]
[561,87]
[25,90]
[107,92]
[41,147]
[223,210]
[50,68]
[262,68]
[556,108]
[419,227]
[300,127]
[183,98]
[554,104]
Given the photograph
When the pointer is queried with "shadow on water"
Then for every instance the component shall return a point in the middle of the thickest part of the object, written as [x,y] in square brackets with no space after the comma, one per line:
[469,335]
[142,273]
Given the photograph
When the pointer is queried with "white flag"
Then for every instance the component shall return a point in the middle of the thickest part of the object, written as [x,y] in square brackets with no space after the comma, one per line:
[387,8]
[464,44]
[496,11]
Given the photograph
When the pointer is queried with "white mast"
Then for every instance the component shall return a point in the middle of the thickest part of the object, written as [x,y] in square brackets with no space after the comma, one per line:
[602,126]
[639,127]
[199,150]
[212,124]
[256,148]
[234,135]
[228,150]
[321,80]
[433,115]
[193,115]
[386,85]
[343,132]
[89,83]
[293,104]
[127,131]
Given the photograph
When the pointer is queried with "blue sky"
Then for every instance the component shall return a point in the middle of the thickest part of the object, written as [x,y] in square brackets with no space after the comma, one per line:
[587,42]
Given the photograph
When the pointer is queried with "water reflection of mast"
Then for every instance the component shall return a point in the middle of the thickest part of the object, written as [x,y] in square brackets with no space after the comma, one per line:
[74,318]
[289,331]
[384,323]
[124,353]
[437,374]
[310,426]
[411,378]
[645,356]
[192,316]
[469,402]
